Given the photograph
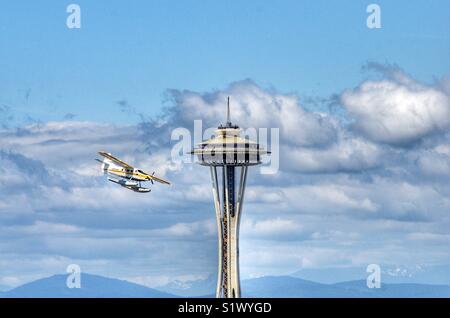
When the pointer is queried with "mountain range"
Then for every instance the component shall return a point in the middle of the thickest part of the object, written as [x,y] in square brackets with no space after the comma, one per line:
[92,286]
[434,275]
[287,286]
[267,286]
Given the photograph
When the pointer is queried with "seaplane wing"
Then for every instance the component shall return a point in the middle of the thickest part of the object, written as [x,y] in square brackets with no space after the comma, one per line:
[115,160]
[152,177]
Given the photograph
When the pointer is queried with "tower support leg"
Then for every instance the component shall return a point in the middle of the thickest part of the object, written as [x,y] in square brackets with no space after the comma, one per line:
[219,220]
[228,220]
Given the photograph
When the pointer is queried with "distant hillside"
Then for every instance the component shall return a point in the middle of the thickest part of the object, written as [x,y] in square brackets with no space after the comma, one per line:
[431,275]
[92,286]
[286,286]
[4,288]
[330,275]
[397,290]
[268,286]
[292,287]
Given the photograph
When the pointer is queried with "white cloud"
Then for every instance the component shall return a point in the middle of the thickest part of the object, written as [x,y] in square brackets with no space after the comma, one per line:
[272,228]
[397,110]
[310,141]
[193,229]
[252,106]
[430,237]
[349,154]
[434,163]
[330,199]
[45,228]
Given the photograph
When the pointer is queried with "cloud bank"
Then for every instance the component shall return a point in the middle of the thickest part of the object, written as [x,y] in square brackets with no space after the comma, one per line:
[351,190]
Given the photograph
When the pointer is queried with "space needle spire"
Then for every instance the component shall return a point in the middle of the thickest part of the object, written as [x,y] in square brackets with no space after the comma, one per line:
[225,153]
[228,112]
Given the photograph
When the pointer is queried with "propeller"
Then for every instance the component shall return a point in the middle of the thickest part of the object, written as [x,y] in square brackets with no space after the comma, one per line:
[151,180]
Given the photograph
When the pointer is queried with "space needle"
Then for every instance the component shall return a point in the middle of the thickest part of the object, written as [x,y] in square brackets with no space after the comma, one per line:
[228,157]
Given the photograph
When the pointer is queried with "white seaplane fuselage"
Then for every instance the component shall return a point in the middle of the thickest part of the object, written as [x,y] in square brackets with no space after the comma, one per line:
[128,178]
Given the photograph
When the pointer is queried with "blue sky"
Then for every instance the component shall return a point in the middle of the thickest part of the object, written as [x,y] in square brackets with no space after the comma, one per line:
[364,120]
[136,51]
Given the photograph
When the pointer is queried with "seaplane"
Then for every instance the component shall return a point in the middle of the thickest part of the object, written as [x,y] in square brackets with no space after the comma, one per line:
[125,175]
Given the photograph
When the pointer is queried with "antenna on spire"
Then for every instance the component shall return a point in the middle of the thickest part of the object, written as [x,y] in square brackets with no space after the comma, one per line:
[228,123]
[228,111]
